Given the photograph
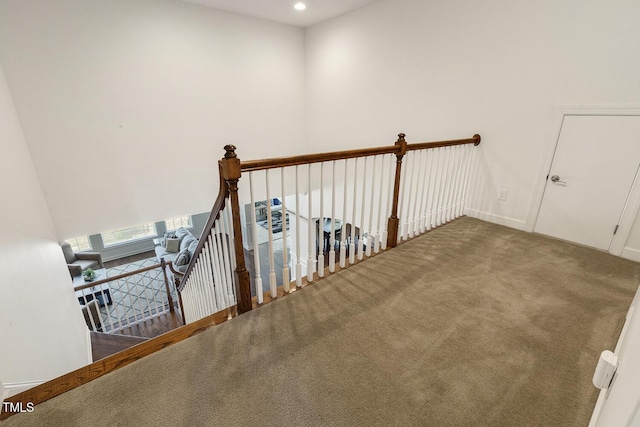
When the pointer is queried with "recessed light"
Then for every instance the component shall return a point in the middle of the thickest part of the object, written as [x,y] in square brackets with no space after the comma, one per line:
[299,6]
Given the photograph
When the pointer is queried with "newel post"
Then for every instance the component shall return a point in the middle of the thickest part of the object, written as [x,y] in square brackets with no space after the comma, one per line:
[231,172]
[394,221]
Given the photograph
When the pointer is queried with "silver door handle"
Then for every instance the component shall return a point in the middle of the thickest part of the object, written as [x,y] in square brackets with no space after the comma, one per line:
[556,179]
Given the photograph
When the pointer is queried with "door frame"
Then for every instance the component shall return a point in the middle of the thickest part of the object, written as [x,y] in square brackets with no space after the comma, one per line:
[631,209]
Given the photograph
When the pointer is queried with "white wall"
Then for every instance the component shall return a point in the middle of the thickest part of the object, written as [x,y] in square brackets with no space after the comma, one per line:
[43,333]
[450,68]
[126,105]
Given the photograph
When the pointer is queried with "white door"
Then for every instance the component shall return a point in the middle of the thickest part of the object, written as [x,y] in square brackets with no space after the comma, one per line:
[594,167]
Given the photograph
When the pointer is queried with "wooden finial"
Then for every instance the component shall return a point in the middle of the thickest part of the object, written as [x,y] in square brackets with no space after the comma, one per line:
[401,137]
[230,151]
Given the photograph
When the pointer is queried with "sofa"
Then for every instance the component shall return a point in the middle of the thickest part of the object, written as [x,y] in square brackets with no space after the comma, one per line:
[178,247]
[78,262]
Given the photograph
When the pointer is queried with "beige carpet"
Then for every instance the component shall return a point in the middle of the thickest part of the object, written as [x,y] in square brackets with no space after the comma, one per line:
[471,325]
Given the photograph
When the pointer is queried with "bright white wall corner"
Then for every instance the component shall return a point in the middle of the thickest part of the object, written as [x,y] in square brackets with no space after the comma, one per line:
[126,106]
[43,330]
[440,70]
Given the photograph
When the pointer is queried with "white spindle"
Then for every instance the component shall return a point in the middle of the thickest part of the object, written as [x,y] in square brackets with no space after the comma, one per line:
[362,230]
[273,285]
[320,232]
[221,283]
[403,183]
[286,278]
[311,244]
[256,247]
[450,184]
[298,264]
[343,234]
[332,238]
[438,187]
[456,181]
[226,262]
[352,243]
[376,247]
[419,192]
[230,253]
[411,199]
[208,257]
[469,168]
[371,235]
[424,201]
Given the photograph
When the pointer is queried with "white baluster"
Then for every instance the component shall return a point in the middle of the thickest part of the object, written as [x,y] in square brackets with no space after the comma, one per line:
[320,232]
[298,265]
[411,199]
[402,228]
[471,166]
[376,247]
[362,230]
[438,187]
[352,244]
[343,235]
[424,201]
[456,181]
[229,251]
[332,239]
[256,247]
[209,257]
[273,285]
[311,246]
[286,278]
[389,201]
[371,236]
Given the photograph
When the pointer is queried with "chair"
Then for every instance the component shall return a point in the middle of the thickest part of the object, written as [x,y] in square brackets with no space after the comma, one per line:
[78,262]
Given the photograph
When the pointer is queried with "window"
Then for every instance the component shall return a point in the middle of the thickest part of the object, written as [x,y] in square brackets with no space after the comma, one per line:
[181,221]
[123,235]
[80,244]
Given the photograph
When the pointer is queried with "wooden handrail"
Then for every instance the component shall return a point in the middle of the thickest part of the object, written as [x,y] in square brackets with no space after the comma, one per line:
[118,277]
[218,206]
[280,162]
[475,140]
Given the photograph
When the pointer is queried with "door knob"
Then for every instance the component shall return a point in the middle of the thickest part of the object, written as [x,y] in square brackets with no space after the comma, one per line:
[556,178]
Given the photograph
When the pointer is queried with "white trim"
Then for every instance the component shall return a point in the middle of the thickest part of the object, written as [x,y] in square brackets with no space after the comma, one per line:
[518,224]
[11,389]
[627,218]
[89,348]
[630,253]
[629,215]
[3,394]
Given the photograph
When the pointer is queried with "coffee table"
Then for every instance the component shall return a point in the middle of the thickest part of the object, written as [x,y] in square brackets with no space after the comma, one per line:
[100,292]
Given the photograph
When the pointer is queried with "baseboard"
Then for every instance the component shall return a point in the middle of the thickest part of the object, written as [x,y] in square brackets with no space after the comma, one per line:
[11,389]
[630,253]
[89,348]
[497,219]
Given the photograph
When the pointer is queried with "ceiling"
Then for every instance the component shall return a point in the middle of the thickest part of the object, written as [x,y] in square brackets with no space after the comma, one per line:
[282,10]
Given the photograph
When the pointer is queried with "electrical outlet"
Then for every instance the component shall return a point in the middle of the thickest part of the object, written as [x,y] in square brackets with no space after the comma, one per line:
[502,195]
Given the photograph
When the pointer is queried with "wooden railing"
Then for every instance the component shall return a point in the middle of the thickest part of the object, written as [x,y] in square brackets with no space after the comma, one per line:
[348,205]
[116,303]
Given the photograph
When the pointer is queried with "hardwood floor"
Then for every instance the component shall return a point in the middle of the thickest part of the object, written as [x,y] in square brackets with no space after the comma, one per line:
[156,326]
[129,259]
[104,345]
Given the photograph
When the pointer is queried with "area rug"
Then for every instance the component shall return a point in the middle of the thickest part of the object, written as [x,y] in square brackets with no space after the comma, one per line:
[135,297]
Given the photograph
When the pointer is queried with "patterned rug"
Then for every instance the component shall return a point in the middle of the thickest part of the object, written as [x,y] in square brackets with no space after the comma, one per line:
[136,297]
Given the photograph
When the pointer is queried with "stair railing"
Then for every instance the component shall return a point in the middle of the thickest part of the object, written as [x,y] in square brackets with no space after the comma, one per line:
[335,209]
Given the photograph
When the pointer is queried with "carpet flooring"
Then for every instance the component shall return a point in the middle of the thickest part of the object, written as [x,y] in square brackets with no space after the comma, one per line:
[472,324]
